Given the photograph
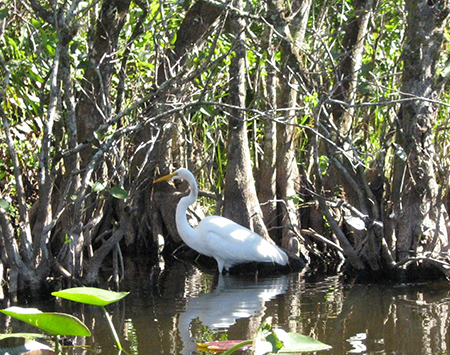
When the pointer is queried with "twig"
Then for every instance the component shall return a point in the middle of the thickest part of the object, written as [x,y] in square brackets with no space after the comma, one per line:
[314,234]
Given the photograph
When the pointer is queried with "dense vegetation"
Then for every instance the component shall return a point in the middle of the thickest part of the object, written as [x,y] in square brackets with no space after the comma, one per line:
[320,124]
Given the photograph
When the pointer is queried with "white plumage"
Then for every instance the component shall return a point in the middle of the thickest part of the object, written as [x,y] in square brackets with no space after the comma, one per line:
[218,237]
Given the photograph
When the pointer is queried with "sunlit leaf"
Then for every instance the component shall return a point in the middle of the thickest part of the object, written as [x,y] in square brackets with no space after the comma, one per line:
[51,322]
[90,295]
[205,112]
[4,204]
[99,186]
[295,343]
[174,39]
[220,345]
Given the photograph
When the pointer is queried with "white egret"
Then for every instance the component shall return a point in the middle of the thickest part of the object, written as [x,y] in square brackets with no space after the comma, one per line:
[218,237]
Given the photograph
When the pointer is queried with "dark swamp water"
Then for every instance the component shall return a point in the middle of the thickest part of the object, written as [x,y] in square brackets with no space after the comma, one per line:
[167,311]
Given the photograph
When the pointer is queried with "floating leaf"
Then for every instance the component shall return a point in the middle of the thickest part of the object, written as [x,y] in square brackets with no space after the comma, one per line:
[23,343]
[51,322]
[90,295]
[220,345]
[295,343]
[118,193]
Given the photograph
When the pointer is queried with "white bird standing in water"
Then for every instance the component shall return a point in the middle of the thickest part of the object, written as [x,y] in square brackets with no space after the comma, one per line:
[218,237]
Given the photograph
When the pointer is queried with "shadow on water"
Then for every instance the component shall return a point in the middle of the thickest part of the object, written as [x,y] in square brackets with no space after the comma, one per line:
[168,310]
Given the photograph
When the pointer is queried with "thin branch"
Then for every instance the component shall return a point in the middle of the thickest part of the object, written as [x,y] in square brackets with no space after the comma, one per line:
[47,16]
[45,179]
[315,235]
[389,102]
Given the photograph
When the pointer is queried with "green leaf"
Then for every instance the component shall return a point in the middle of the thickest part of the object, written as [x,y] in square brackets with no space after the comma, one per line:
[99,186]
[276,343]
[295,343]
[118,193]
[4,204]
[23,343]
[90,295]
[51,322]
[174,39]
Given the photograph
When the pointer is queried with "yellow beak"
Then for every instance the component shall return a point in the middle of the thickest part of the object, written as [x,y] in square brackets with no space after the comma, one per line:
[165,177]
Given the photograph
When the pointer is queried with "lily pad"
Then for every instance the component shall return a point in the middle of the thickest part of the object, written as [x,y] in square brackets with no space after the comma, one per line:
[23,343]
[220,345]
[90,295]
[50,322]
[295,343]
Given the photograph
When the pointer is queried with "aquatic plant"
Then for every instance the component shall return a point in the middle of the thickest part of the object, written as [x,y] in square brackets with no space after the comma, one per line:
[96,297]
[53,323]
[268,340]
[61,324]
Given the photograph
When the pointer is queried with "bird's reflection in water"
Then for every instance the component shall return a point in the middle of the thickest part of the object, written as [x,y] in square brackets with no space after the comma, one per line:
[233,299]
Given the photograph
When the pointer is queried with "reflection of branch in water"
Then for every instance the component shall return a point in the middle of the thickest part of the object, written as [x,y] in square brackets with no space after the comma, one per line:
[232,299]
[442,265]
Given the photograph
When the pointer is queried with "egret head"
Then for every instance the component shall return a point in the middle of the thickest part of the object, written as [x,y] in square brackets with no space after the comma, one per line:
[181,173]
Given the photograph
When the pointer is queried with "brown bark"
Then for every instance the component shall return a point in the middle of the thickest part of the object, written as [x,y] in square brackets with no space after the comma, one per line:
[288,177]
[192,32]
[266,183]
[93,104]
[350,65]
[240,201]
[347,170]
[419,211]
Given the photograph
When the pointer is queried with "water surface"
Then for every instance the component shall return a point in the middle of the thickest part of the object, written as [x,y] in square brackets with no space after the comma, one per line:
[168,311]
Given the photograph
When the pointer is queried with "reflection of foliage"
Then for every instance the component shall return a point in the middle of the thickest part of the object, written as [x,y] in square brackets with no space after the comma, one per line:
[203,334]
[197,92]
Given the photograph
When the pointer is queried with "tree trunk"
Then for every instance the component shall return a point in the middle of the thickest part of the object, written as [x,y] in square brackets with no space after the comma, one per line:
[93,106]
[192,32]
[346,170]
[421,216]
[349,67]
[288,177]
[241,204]
[266,182]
